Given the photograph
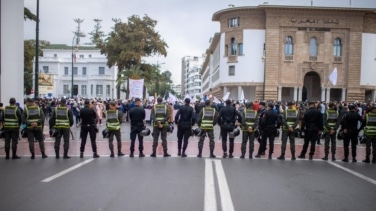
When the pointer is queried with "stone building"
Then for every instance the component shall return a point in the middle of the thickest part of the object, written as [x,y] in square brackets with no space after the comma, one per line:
[289,53]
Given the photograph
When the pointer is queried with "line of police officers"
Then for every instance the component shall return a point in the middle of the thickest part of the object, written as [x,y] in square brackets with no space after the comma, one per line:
[263,123]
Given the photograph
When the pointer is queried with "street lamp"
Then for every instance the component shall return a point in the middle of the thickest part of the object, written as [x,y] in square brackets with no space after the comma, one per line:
[72,63]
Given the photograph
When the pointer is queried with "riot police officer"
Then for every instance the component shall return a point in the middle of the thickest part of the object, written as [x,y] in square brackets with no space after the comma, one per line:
[62,120]
[227,118]
[206,121]
[249,125]
[12,122]
[184,118]
[331,124]
[113,122]
[349,124]
[268,125]
[290,121]
[370,133]
[160,116]
[312,125]
[33,118]
[137,117]
[88,119]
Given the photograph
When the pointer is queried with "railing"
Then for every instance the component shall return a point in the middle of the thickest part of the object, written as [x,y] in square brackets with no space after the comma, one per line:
[338,59]
[289,57]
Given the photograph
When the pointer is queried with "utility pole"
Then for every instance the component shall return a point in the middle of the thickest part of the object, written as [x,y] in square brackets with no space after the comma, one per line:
[36,75]
[77,35]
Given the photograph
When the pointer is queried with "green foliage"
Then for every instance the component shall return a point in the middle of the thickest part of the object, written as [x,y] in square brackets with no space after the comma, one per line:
[29,15]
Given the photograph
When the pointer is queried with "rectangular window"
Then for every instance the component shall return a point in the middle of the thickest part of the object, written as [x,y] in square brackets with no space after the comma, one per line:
[83,89]
[83,70]
[108,90]
[231,70]
[99,90]
[81,56]
[240,49]
[233,22]
[101,70]
[65,70]
[226,50]
[91,89]
[45,69]
[66,89]
[75,70]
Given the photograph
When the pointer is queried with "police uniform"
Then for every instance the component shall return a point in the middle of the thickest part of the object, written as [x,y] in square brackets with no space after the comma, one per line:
[160,116]
[33,114]
[331,124]
[185,120]
[113,121]
[207,120]
[62,120]
[12,123]
[350,129]
[249,125]
[370,133]
[312,123]
[137,117]
[269,120]
[226,119]
[290,121]
[88,119]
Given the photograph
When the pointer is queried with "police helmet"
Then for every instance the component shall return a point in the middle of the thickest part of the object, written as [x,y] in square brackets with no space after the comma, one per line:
[363,139]
[105,133]
[340,135]
[197,131]
[234,133]
[277,133]
[322,135]
[53,132]
[24,133]
[170,128]
[302,134]
[257,133]
[192,132]
[145,132]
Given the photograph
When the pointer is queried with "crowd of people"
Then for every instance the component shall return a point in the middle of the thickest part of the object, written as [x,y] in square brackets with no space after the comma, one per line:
[262,121]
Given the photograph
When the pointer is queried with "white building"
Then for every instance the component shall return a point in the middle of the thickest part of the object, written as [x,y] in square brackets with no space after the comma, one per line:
[176,88]
[191,76]
[92,78]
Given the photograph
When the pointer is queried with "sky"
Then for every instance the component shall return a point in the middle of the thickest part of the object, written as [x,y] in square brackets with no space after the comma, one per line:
[185,25]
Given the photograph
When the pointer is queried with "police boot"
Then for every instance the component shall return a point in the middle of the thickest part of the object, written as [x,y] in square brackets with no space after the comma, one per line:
[333,157]
[66,155]
[131,155]
[81,155]
[154,153]
[293,156]
[346,159]
[95,155]
[199,153]
[374,160]
[243,155]
[354,160]
[7,154]
[179,152]
[250,154]
[224,155]
[282,157]
[270,156]
[325,157]
[212,154]
[32,155]
[120,154]
[141,155]
[183,155]
[165,154]
[57,154]
[112,154]
[367,160]
[44,155]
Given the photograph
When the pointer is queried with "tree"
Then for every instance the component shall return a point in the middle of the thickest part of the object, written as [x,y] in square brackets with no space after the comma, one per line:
[29,15]
[129,42]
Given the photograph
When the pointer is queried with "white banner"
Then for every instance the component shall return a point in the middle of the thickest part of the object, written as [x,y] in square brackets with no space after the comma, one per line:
[227,95]
[171,98]
[333,77]
[136,88]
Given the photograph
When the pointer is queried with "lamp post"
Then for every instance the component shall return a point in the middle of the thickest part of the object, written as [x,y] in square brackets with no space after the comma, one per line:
[72,63]
[264,60]
[36,82]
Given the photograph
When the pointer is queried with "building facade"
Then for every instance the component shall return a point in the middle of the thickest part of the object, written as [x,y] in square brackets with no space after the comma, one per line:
[92,78]
[177,89]
[191,76]
[290,52]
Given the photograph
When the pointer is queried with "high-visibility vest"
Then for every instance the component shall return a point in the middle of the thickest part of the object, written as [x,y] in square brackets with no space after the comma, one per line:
[250,116]
[331,118]
[160,112]
[370,128]
[62,117]
[10,117]
[112,122]
[208,118]
[33,114]
[290,115]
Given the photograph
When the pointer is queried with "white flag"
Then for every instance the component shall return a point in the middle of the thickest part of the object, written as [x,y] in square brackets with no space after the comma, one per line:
[227,95]
[171,98]
[242,95]
[333,77]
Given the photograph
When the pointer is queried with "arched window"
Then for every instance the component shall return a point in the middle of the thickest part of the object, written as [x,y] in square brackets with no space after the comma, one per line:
[313,47]
[337,47]
[233,46]
[289,46]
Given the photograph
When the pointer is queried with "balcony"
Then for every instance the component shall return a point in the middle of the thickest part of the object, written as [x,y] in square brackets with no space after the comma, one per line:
[337,59]
[289,58]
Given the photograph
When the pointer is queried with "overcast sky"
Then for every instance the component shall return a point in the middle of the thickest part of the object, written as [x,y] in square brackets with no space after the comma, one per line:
[185,25]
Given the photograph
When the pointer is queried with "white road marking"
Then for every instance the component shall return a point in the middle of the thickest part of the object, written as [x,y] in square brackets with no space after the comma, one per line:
[354,173]
[210,197]
[49,179]
[224,191]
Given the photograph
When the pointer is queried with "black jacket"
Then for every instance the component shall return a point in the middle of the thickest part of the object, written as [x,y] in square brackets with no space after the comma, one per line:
[312,120]
[269,119]
[137,116]
[185,116]
[88,116]
[229,114]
